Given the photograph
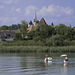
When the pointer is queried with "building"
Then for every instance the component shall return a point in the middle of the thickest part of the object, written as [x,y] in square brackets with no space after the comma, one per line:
[8,35]
[33,27]
[36,23]
[35,20]
[42,22]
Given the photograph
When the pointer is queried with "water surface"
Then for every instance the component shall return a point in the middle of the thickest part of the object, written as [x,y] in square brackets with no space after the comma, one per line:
[33,64]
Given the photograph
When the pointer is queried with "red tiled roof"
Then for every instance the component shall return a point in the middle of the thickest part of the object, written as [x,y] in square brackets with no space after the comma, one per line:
[32,27]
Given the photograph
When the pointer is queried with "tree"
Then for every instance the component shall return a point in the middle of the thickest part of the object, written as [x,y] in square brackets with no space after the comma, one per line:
[4,27]
[60,29]
[31,35]
[15,26]
[70,33]
[45,31]
[31,23]
[55,40]
[23,28]
[52,24]
[18,36]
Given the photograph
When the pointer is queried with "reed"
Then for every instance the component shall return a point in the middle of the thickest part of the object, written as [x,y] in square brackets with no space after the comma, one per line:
[6,49]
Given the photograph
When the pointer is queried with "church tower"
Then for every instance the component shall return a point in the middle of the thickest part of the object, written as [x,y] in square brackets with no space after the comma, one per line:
[35,19]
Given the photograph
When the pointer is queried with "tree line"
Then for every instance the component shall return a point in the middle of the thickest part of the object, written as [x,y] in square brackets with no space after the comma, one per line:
[44,35]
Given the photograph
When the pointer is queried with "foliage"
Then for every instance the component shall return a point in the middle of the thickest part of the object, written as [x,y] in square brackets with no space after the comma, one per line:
[15,26]
[60,29]
[31,35]
[37,39]
[23,28]
[19,49]
[4,27]
[18,36]
[44,35]
[56,40]
[45,31]
[66,42]
[68,32]
[31,23]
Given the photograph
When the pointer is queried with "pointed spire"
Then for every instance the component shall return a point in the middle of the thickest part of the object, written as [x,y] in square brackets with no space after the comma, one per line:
[35,19]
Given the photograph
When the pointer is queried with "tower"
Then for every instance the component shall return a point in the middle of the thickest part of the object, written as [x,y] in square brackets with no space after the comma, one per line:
[35,19]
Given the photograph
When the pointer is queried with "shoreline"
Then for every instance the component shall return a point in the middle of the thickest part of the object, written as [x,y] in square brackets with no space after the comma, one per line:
[36,49]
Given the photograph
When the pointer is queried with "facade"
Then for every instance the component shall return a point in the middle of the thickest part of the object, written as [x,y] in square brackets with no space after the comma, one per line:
[7,35]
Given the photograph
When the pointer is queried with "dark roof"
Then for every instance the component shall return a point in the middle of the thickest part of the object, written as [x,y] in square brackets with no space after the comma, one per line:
[42,22]
[4,33]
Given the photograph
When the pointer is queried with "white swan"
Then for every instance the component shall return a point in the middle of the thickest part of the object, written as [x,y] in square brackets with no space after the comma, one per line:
[49,59]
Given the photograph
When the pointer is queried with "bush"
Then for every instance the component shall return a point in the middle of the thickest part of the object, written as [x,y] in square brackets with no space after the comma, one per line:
[55,40]
[19,49]
[37,39]
[66,42]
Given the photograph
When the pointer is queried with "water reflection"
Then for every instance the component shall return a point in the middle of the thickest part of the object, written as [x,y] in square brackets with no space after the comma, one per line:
[48,63]
[64,70]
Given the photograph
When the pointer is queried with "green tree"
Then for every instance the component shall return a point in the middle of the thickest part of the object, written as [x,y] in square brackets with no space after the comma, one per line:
[15,26]
[18,36]
[45,31]
[37,39]
[23,28]
[55,40]
[60,29]
[31,35]
[69,33]
[31,23]
[4,27]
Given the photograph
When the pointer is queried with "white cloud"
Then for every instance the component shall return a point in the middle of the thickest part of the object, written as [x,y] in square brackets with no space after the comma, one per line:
[18,10]
[68,10]
[14,10]
[30,9]
[53,10]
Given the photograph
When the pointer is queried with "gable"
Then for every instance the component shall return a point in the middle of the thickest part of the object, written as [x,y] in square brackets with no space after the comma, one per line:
[42,22]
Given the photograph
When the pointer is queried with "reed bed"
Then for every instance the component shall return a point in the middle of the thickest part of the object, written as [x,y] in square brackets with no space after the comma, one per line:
[6,49]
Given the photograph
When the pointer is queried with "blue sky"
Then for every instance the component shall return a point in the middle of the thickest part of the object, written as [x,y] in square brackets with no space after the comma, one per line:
[56,11]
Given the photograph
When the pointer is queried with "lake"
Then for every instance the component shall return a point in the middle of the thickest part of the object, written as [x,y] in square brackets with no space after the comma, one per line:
[33,64]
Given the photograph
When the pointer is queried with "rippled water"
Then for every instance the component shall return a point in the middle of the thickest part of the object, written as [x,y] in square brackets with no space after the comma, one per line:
[33,64]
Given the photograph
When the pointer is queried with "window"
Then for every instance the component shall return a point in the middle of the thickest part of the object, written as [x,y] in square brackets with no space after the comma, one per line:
[7,35]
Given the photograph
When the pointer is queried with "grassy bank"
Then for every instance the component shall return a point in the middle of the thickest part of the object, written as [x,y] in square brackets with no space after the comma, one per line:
[6,49]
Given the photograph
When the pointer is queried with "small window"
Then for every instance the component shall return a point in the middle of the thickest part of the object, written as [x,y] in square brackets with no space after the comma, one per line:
[7,34]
